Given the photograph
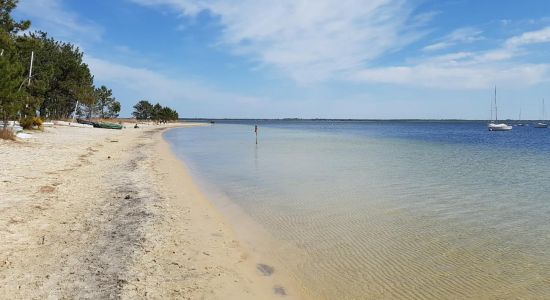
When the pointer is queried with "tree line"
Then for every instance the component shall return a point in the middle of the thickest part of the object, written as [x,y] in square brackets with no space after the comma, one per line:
[144,110]
[59,81]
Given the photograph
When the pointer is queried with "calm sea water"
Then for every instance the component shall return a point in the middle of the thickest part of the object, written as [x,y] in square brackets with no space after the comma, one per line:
[390,210]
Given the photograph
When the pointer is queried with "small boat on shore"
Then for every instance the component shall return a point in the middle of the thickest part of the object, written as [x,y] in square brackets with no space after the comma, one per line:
[106,125]
[71,124]
[81,121]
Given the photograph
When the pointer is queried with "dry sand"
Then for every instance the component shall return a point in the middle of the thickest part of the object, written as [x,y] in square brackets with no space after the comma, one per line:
[94,213]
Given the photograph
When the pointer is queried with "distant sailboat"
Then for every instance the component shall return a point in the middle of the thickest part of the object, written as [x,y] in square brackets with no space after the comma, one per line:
[541,124]
[495,126]
[519,119]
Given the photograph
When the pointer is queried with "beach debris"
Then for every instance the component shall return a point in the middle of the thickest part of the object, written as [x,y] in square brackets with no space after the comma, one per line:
[121,282]
[265,270]
[108,157]
[127,197]
[16,220]
[47,189]
[136,126]
[279,290]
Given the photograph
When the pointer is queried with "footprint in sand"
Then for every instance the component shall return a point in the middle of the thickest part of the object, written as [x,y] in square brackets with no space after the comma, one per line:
[265,270]
[279,290]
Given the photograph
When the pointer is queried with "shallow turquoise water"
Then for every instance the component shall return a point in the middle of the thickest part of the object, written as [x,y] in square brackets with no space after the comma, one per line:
[389,210]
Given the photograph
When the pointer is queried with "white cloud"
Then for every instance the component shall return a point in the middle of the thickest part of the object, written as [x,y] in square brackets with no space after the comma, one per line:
[314,41]
[532,37]
[310,40]
[457,77]
[341,39]
[176,92]
[458,36]
[51,16]
[470,70]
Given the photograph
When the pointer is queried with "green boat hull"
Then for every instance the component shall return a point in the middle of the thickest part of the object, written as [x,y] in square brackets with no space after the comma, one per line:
[107,125]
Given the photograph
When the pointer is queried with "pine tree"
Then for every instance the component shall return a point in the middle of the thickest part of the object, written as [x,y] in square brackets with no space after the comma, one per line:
[7,23]
[11,80]
[106,104]
[143,110]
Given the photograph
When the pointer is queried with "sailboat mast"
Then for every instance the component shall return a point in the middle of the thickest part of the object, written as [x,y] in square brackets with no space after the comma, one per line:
[496,106]
[30,68]
[491,119]
[543,110]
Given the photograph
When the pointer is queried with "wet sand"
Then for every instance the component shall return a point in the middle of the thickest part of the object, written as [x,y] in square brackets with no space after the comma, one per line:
[91,213]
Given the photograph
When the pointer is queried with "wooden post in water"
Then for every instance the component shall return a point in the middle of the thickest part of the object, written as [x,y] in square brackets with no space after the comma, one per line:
[256,131]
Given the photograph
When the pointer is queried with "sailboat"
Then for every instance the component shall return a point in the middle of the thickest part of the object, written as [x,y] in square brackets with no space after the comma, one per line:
[541,124]
[519,119]
[496,126]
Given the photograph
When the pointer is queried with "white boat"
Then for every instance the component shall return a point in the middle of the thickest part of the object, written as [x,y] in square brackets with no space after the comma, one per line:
[495,125]
[71,124]
[499,127]
[542,124]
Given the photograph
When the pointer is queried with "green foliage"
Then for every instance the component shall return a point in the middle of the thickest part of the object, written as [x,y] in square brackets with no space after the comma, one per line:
[106,104]
[36,121]
[7,23]
[155,112]
[31,122]
[143,110]
[167,114]
[11,96]
[62,78]
[26,123]
[59,79]
[114,109]
[39,84]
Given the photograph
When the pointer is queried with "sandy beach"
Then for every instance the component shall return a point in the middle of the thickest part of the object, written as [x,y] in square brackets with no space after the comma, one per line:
[92,213]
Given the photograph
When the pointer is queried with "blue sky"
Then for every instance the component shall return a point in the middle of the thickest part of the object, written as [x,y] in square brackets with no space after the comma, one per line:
[312,59]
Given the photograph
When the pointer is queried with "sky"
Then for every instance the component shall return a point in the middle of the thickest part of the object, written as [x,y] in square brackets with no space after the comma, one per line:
[369,59]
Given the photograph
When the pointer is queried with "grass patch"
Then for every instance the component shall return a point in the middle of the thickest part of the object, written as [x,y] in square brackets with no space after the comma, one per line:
[7,134]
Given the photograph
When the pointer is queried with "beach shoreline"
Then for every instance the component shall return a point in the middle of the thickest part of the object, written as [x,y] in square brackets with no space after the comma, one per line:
[102,213]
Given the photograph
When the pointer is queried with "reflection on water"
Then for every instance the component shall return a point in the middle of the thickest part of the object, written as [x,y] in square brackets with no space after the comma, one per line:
[370,213]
